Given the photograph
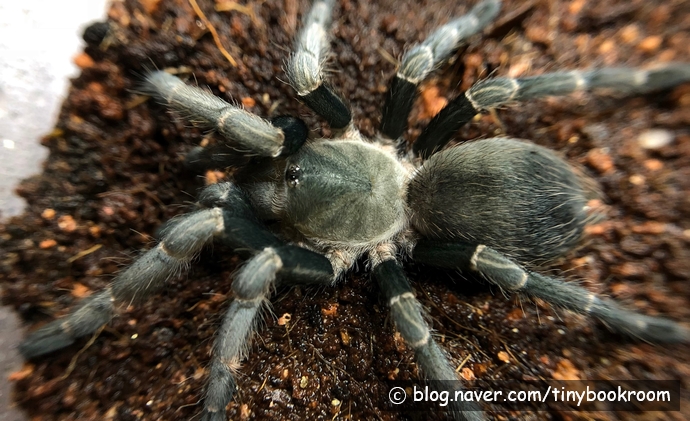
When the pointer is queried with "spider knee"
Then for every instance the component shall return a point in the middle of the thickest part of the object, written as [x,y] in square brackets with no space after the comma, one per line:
[305,66]
[498,268]
[255,279]
[185,238]
[408,319]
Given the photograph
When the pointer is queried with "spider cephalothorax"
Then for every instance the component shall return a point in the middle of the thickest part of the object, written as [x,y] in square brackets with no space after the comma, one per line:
[303,211]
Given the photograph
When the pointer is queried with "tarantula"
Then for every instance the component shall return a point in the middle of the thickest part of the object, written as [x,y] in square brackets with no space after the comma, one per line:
[303,211]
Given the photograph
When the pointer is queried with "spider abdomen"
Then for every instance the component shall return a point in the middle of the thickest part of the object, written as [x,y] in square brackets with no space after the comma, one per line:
[345,192]
[513,196]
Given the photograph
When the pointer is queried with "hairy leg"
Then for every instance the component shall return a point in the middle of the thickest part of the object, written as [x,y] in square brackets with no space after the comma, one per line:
[407,312]
[182,240]
[251,289]
[419,61]
[511,277]
[250,134]
[305,68]
[490,93]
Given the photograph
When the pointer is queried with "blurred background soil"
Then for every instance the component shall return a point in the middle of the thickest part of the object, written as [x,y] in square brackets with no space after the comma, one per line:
[115,173]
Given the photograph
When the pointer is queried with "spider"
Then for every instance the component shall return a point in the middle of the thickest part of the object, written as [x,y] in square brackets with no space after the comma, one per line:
[304,211]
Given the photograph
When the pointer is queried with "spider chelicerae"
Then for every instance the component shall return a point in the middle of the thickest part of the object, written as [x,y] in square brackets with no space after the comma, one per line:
[303,211]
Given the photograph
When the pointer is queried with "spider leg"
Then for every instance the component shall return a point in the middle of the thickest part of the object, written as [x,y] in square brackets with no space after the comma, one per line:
[252,134]
[251,288]
[214,157]
[272,260]
[222,155]
[490,93]
[305,68]
[501,271]
[230,217]
[407,315]
[423,58]
[182,240]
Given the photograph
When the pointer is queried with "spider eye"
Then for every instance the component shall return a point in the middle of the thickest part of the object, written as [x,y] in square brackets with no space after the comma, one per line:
[292,175]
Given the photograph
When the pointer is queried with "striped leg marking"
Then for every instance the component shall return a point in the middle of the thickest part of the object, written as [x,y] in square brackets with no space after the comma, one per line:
[250,133]
[305,68]
[501,271]
[491,93]
[422,59]
[407,312]
[251,290]
[182,240]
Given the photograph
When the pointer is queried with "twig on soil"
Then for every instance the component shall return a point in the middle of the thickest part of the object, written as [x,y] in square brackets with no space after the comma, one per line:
[213,31]
[73,363]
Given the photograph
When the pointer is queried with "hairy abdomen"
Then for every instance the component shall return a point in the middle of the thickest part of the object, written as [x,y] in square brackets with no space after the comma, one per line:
[513,196]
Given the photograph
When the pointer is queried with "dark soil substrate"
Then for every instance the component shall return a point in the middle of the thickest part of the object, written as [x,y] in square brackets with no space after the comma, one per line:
[116,172]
